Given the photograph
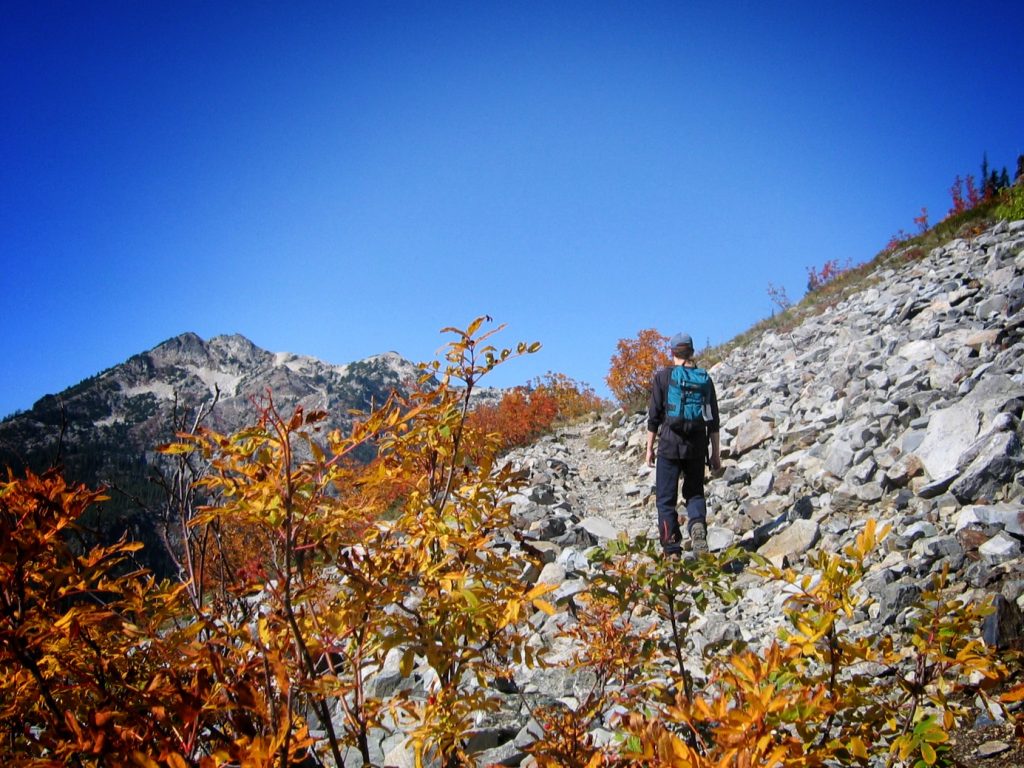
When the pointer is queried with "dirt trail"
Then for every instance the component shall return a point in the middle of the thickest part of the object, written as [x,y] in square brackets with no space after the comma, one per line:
[614,485]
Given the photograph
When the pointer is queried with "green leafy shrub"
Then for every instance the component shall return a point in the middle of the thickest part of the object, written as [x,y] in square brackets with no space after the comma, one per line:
[1012,205]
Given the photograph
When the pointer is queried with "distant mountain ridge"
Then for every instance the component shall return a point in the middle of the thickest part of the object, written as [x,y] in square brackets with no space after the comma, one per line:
[136,400]
[104,430]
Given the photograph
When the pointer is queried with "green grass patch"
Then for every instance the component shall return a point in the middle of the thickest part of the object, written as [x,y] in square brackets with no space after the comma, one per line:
[599,441]
[1011,206]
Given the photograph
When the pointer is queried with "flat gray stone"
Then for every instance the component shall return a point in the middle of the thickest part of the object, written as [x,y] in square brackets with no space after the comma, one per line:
[794,540]
[951,431]
[599,528]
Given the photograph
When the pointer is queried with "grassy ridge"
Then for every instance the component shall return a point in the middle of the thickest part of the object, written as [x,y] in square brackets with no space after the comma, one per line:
[1009,205]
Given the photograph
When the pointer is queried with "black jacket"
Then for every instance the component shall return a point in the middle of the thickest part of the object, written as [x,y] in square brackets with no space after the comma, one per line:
[671,445]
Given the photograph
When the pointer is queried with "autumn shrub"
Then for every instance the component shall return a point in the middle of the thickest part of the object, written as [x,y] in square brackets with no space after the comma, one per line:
[525,413]
[963,201]
[428,585]
[630,632]
[633,366]
[518,418]
[825,274]
[98,668]
[574,399]
[73,687]
[817,695]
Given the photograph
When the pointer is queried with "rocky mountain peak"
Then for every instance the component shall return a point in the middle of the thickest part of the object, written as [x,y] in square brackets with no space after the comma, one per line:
[227,352]
[118,416]
[185,349]
[236,349]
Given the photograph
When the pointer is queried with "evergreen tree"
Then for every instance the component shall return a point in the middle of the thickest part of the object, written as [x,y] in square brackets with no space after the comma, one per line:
[1004,179]
[991,185]
[1020,168]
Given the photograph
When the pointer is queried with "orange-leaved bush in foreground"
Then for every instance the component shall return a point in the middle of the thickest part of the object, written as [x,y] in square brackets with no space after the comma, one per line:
[267,663]
[804,700]
[99,665]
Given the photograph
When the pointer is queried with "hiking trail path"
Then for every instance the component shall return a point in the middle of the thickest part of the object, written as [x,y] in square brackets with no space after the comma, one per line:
[611,484]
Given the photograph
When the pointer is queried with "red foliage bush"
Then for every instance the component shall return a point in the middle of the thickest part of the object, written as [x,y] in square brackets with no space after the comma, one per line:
[525,413]
[830,270]
[956,193]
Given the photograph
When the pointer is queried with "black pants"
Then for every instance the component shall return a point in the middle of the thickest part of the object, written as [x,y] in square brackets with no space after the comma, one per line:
[666,490]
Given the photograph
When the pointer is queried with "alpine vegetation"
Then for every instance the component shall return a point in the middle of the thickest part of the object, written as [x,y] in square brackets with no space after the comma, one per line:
[407,589]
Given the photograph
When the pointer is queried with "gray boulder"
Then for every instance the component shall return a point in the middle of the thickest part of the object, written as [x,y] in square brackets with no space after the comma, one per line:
[997,461]
[792,541]
[951,431]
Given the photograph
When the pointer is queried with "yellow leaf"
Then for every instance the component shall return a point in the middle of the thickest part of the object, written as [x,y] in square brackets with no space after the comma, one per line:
[858,748]
[511,612]
[264,632]
[405,665]
[545,606]
[173,449]
[928,753]
[539,591]
[742,668]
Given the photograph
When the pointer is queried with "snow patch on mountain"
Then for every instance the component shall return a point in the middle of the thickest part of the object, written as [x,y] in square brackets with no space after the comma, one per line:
[227,383]
[161,389]
[297,363]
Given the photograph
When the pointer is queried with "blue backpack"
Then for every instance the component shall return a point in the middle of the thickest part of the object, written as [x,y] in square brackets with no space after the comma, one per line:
[688,402]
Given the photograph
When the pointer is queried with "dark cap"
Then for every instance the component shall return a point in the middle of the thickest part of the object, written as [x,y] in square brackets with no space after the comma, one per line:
[681,340]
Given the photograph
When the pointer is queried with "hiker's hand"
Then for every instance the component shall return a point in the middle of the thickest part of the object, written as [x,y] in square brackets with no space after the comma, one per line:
[650,457]
[715,462]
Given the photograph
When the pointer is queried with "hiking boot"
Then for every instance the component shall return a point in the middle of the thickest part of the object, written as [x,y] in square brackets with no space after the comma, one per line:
[698,537]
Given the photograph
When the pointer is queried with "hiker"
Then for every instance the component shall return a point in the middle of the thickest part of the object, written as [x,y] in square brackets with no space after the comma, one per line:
[683,416]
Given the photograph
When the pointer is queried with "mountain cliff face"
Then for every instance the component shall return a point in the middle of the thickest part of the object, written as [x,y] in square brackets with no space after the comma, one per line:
[133,404]
[104,429]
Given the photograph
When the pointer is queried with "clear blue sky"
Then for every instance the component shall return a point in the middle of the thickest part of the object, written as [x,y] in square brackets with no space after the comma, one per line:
[340,179]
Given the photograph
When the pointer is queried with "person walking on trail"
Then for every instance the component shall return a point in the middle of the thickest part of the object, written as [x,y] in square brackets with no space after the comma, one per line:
[682,416]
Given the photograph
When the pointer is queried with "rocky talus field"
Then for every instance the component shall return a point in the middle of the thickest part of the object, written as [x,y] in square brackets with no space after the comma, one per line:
[902,403]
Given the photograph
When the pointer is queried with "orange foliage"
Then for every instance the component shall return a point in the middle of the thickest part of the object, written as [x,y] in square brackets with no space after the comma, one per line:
[633,366]
[101,666]
[519,417]
[95,666]
[574,399]
[525,413]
